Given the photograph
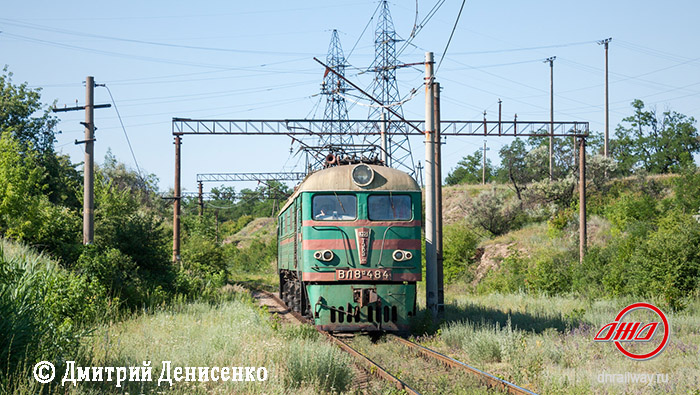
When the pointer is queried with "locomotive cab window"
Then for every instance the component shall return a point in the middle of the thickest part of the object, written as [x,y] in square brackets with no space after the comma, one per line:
[334,207]
[389,207]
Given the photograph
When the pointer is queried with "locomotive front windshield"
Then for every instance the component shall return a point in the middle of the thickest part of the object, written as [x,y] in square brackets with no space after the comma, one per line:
[334,207]
[389,207]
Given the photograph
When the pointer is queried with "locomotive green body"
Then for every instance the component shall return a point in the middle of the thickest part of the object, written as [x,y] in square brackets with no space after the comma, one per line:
[349,248]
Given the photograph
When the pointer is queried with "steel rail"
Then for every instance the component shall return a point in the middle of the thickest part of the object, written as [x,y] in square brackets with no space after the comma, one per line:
[370,366]
[490,380]
[367,364]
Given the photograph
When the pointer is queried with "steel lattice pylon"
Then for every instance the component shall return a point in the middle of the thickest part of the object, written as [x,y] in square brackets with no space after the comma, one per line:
[334,138]
[334,88]
[386,90]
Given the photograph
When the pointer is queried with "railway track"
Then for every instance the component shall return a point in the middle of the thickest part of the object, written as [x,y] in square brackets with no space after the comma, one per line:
[276,306]
[489,380]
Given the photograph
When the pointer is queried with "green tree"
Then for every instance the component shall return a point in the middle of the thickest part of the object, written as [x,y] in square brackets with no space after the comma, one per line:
[121,222]
[656,144]
[26,213]
[469,170]
[18,106]
[24,118]
[517,167]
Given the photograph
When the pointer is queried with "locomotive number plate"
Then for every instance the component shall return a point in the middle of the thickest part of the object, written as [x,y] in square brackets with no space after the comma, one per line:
[363,274]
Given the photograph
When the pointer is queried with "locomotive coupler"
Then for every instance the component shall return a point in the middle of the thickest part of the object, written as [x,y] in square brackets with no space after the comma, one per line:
[365,296]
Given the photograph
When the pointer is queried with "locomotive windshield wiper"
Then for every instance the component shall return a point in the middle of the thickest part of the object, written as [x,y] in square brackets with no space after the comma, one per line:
[391,201]
[339,202]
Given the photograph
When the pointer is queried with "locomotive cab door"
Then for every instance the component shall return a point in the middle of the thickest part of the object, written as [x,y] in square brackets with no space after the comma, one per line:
[299,256]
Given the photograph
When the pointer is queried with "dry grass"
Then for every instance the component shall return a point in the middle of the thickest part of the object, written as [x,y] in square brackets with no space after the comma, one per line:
[235,333]
[262,229]
[425,376]
[546,343]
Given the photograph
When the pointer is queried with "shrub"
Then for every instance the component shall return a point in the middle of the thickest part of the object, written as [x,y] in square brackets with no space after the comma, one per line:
[669,260]
[587,277]
[459,246]
[494,212]
[559,192]
[255,258]
[560,221]
[202,254]
[115,271]
[686,190]
[510,277]
[548,274]
[630,209]
[599,170]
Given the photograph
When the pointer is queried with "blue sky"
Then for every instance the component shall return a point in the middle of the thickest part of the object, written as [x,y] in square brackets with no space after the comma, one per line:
[253,60]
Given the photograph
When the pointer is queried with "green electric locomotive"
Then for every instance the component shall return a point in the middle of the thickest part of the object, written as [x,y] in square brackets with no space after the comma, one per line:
[349,248]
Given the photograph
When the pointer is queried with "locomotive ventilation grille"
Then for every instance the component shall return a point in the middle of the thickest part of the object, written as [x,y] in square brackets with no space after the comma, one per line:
[377,314]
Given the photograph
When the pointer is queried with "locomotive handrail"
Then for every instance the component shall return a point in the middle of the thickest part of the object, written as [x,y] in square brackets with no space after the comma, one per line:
[318,268]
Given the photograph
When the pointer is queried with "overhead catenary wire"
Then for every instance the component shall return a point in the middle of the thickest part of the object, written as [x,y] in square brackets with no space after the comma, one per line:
[128,142]
[152,43]
[449,40]
[417,28]
[363,31]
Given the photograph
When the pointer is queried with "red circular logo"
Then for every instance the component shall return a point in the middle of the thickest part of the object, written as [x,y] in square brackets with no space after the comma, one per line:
[664,341]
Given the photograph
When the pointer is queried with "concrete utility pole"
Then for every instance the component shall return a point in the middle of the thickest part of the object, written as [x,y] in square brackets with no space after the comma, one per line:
[431,280]
[385,157]
[89,171]
[419,168]
[500,125]
[438,199]
[89,165]
[550,60]
[607,103]
[483,164]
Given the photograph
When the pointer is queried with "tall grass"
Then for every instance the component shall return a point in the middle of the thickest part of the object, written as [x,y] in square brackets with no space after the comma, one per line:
[233,333]
[323,368]
[44,309]
[546,343]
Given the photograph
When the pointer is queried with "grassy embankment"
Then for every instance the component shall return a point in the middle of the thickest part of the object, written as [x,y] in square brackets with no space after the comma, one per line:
[232,332]
[539,333]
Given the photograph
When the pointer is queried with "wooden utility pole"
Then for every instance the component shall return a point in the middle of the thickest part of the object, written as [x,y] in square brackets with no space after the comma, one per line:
[89,164]
[431,277]
[551,114]
[438,199]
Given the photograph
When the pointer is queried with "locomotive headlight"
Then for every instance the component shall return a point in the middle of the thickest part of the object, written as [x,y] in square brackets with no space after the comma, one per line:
[401,255]
[362,175]
[325,255]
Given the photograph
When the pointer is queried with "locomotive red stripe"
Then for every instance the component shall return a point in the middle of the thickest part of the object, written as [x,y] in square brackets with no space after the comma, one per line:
[330,276]
[341,244]
[287,241]
[363,222]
